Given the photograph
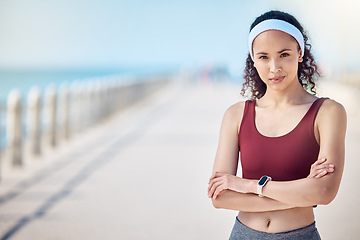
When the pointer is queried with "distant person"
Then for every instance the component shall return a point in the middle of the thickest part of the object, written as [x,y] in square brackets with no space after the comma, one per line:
[291,143]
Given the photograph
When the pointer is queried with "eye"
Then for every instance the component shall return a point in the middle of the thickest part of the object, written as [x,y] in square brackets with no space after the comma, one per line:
[263,57]
[284,55]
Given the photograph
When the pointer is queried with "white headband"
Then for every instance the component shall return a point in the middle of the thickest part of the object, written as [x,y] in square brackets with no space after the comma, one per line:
[276,24]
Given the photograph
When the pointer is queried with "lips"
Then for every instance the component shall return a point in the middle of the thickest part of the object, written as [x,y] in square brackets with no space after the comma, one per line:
[277,79]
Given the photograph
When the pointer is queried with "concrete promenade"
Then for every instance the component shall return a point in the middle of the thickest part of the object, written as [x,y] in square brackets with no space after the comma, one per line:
[143,175]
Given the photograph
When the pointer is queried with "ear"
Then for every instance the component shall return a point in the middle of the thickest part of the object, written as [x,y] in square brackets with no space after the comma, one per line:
[300,57]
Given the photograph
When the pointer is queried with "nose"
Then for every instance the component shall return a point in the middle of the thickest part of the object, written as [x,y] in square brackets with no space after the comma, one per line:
[274,66]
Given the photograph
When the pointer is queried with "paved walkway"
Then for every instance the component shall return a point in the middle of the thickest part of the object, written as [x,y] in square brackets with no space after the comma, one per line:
[143,175]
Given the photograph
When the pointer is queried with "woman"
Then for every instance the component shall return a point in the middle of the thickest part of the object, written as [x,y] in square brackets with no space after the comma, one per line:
[291,143]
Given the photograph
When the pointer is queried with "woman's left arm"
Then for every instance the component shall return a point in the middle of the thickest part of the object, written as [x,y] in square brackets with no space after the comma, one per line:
[331,126]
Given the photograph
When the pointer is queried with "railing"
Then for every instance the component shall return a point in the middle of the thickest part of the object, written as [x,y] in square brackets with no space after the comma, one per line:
[43,121]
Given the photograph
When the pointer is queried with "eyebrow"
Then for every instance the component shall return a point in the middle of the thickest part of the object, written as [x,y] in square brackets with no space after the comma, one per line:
[264,53]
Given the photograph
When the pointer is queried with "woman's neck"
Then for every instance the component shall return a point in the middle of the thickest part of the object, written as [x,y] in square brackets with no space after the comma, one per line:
[294,94]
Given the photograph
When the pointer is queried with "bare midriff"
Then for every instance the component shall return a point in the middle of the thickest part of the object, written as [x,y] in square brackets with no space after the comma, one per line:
[278,221]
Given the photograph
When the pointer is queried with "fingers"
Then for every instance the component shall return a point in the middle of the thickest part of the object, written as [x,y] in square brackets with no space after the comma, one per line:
[217,183]
[216,174]
[219,190]
[324,171]
[319,169]
[214,179]
[213,185]
[318,162]
[321,174]
[216,186]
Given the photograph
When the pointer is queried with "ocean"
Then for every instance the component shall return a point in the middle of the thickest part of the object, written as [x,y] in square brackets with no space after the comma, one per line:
[23,80]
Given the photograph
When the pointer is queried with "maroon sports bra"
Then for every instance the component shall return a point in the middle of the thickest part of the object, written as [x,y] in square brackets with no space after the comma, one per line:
[284,158]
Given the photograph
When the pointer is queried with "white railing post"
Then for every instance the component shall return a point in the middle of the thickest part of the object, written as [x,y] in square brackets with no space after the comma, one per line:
[50,111]
[74,107]
[34,121]
[14,128]
[63,112]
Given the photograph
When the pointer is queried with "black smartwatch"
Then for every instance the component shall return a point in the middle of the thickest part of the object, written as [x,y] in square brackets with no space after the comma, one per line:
[261,183]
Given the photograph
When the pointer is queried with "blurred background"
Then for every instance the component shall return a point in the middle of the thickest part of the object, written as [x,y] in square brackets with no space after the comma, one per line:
[98,38]
[102,37]
[81,62]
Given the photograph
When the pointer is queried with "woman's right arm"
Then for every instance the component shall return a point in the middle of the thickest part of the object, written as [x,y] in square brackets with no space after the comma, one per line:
[246,202]
[226,161]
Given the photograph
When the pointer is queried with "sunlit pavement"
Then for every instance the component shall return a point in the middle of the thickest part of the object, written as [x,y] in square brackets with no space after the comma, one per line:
[143,175]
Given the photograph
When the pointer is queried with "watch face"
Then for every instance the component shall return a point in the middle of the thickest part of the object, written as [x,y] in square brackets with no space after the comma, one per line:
[262,180]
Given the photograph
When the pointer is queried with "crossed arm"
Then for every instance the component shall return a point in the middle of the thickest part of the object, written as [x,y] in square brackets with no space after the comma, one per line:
[320,187]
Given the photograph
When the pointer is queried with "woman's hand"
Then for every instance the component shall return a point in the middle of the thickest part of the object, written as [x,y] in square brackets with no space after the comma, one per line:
[222,181]
[319,169]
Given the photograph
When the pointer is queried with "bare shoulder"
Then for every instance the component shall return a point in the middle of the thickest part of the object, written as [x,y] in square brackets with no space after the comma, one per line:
[331,108]
[332,113]
[233,116]
[235,111]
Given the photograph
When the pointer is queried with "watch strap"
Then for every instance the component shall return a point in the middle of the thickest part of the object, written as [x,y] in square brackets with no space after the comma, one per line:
[261,183]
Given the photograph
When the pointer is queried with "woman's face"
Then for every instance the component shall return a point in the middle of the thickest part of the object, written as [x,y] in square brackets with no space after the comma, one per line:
[276,58]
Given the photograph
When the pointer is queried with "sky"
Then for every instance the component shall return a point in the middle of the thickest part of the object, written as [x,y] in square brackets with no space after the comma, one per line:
[114,34]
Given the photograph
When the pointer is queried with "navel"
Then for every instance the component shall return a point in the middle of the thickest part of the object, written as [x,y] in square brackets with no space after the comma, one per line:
[268,223]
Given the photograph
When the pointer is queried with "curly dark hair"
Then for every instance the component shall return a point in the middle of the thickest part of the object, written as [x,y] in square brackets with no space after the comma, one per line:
[308,71]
